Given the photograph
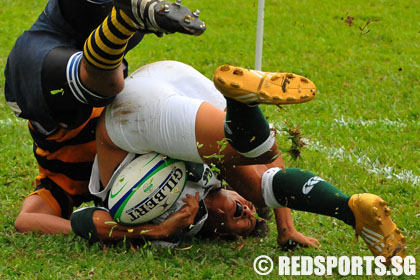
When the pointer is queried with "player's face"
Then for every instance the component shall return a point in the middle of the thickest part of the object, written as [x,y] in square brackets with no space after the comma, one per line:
[237,215]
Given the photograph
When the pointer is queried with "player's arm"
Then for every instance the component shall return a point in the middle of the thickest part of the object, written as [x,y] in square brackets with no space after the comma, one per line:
[96,224]
[288,237]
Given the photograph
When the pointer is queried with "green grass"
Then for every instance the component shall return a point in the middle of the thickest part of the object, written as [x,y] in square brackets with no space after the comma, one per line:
[362,131]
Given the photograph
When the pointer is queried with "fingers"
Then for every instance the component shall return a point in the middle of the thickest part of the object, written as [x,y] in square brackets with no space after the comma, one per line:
[185,216]
[313,242]
[295,239]
[191,199]
[191,205]
[309,241]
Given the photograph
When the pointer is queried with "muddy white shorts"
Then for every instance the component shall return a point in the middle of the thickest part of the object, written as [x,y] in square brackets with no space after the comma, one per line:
[157,110]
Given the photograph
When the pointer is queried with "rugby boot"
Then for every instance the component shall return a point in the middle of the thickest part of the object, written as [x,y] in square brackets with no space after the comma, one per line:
[375,226]
[160,16]
[257,87]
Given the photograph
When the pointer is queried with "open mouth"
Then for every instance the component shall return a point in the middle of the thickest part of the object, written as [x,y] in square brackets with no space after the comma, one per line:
[239,209]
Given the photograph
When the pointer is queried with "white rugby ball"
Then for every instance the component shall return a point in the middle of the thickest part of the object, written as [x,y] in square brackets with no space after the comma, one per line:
[146,188]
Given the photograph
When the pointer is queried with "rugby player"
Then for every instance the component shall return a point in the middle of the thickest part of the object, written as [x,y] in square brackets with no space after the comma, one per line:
[170,108]
[60,75]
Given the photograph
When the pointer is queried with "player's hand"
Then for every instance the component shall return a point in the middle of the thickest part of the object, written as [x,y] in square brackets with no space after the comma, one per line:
[190,209]
[290,239]
[184,217]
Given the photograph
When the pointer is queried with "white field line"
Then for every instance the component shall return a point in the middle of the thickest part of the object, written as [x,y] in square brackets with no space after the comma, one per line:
[374,167]
[347,122]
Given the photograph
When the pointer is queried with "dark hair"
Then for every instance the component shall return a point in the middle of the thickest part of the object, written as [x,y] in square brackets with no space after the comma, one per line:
[261,228]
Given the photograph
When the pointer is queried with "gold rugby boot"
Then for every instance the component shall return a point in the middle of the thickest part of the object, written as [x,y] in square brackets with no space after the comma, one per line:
[375,226]
[257,87]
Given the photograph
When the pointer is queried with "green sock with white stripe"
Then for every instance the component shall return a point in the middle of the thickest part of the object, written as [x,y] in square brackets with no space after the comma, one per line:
[302,190]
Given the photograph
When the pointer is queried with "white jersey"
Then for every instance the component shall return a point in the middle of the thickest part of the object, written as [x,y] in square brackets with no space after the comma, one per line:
[200,179]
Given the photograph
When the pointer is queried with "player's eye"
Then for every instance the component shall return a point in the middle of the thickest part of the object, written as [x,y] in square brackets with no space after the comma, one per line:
[238,211]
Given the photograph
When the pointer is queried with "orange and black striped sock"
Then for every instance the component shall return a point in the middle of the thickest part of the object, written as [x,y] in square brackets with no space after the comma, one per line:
[105,46]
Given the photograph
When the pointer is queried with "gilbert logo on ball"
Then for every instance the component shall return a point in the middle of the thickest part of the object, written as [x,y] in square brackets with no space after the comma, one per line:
[146,188]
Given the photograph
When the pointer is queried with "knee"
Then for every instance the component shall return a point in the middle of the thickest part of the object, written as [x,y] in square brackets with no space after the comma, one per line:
[269,157]
[272,156]
[20,223]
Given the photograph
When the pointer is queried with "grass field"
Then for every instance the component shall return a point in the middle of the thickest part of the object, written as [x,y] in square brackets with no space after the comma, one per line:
[362,131]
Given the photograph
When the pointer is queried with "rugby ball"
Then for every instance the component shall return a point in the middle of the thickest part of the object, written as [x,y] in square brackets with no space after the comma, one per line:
[146,188]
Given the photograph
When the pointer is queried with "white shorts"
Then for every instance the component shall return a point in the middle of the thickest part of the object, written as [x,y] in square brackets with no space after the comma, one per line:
[157,110]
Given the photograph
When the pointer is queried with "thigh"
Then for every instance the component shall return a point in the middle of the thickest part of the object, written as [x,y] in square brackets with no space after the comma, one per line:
[49,198]
[37,215]
[35,203]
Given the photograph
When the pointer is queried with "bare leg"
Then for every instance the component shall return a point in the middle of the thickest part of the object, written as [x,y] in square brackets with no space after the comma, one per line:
[209,130]
[246,180]
[37,216]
